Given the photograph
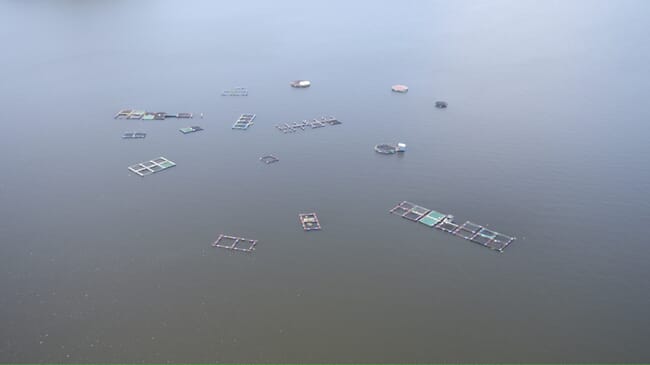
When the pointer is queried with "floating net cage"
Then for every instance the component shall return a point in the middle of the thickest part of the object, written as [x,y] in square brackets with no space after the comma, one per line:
[445,222]
[235,243]
[152,166]
[385,149]
[309,222]
[308,124]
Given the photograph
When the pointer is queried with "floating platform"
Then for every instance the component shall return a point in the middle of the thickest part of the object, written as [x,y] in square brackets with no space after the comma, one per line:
[269,159]
[152,166]
[309,222]
[400,88]
[235,243]
[144,115]
[134,135]
[244,121]
[470,231]
[193,129]
[300,83]
[441,104]
[235,91]
[307,124]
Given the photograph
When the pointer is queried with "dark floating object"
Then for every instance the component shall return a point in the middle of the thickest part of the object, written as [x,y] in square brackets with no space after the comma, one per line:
[441,104]
[385,149]
[389,149]
[134,135]
[268,159]
[193,129]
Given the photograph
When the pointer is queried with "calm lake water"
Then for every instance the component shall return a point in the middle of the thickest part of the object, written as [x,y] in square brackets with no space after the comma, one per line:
[546,138]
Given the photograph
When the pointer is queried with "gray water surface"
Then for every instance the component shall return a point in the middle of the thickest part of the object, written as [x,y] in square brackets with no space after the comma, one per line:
[546,138]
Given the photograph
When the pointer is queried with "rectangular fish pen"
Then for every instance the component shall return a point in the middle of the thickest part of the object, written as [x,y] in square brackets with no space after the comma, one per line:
[309,222]
[235,91]
[307,124]
[244,121]
[470,231]
[134,135]
[152,166]
[235,243]
[145,115]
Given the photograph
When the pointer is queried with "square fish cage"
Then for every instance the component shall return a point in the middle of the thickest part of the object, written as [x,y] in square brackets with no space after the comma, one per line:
[432,218]
[235,243]
[410,211]
[468,230]
[152,166]
[309,222]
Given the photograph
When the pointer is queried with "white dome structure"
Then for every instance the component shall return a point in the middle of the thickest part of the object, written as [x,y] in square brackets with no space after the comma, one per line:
[400,88]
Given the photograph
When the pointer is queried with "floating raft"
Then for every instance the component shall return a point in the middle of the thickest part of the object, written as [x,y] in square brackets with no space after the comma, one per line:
[193,129]
[144,115]
[300,83]
[235,243]
[268,159]
[235,91]
[244,121]
[134,135]
[153,166]
[445,222]
[309,222]
[308,124]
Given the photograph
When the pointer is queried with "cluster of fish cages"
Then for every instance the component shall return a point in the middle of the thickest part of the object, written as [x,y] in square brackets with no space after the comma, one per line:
[192,129]
[307,124]
[445,222]
[235,91]
[244,121]
[235,243]
[152,166]
[144,115]
[134,135]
